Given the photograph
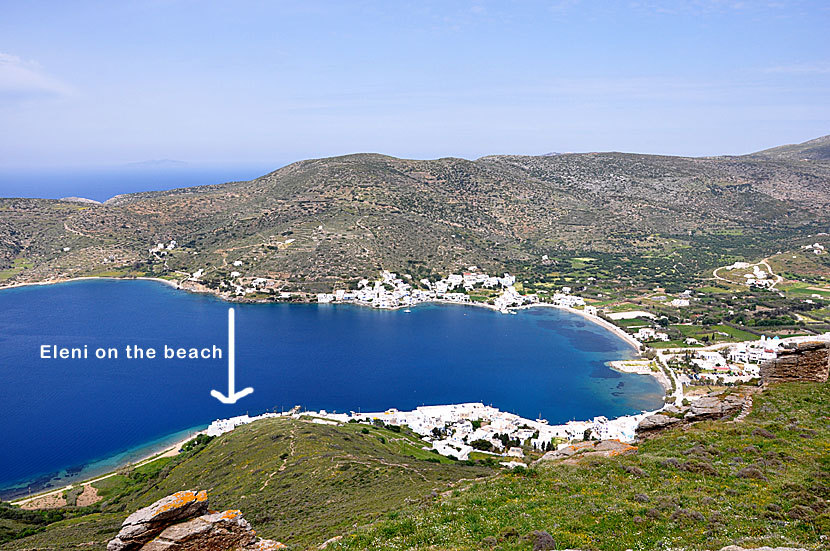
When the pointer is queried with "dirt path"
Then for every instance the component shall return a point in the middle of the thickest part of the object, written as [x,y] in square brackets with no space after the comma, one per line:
[764,263]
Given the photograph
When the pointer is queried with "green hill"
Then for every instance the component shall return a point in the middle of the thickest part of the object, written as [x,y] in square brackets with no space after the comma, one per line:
[762,481]
[302,481]
[317,222]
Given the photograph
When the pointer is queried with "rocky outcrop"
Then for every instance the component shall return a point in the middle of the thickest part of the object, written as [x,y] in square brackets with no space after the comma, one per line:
[715,405]
[656,422]
[806,361]
[180,522]
[592,448]
[143,525]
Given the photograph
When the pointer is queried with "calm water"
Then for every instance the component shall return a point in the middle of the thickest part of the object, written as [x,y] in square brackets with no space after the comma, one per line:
[102,183]
[86,415]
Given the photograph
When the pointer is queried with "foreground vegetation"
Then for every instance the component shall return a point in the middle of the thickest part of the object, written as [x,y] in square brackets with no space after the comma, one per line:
[763,481]
[298,481]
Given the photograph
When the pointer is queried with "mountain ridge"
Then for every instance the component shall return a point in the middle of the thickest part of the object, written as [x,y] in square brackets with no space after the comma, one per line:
[350,216]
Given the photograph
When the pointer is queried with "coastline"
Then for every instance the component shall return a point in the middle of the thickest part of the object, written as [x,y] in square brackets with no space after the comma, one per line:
[173,450]
[631,341]
[148,457]
[640,367]
[623,428]
[169,282]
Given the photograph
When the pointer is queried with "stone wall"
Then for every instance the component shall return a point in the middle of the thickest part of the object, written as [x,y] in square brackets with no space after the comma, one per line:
[806,361]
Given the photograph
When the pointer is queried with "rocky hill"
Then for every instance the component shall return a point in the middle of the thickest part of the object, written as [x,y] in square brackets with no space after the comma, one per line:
[813,150]
[321,221]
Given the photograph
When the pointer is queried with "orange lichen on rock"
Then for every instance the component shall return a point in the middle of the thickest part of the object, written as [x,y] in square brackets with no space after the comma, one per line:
[624,450]
[178,522]
[180,499]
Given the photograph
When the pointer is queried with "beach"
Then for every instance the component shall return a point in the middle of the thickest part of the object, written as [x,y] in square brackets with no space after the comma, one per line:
[52,498]
[171,283]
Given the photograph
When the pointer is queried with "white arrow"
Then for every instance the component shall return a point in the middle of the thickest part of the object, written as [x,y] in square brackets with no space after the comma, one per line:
[232,396]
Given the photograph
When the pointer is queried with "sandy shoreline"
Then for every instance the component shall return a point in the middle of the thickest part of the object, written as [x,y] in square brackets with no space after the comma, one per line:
[630,340]
[173,284]
[640,367]
[169,451]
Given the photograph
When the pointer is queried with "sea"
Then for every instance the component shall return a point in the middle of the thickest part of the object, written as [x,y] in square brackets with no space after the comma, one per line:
[100,183]
[66,419]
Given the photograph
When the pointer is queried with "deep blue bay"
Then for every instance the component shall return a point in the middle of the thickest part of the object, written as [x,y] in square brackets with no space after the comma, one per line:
[88,415]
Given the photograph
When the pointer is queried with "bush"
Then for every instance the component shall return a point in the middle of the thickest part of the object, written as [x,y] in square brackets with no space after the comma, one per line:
[197,443]
[483,445]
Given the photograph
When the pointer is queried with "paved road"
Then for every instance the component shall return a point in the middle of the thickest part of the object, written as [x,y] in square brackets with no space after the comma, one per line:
[662,357]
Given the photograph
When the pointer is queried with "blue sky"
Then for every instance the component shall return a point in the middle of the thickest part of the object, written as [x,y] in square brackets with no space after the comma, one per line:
[86,83]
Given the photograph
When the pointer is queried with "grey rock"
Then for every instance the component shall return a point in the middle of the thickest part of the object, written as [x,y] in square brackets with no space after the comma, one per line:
[657,421]
[143,525]
[715,406]
[542,541]
[178,523]
[214,532]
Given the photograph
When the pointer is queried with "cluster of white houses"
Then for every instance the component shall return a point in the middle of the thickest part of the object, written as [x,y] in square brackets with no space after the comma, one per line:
[742,361]
[160,249]
[759,278]
[391,291]
[451,429]
[645,334]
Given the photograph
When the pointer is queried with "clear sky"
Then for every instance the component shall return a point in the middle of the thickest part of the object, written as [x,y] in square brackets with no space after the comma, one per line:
[85,83]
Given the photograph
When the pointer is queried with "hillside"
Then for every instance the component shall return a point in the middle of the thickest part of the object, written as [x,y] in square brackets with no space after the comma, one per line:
[306,482]
[317,222]
[813,150]
[761,481]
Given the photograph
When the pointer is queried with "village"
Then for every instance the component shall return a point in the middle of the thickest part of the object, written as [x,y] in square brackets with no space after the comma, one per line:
[457,430]
[728,363]
[391,291]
